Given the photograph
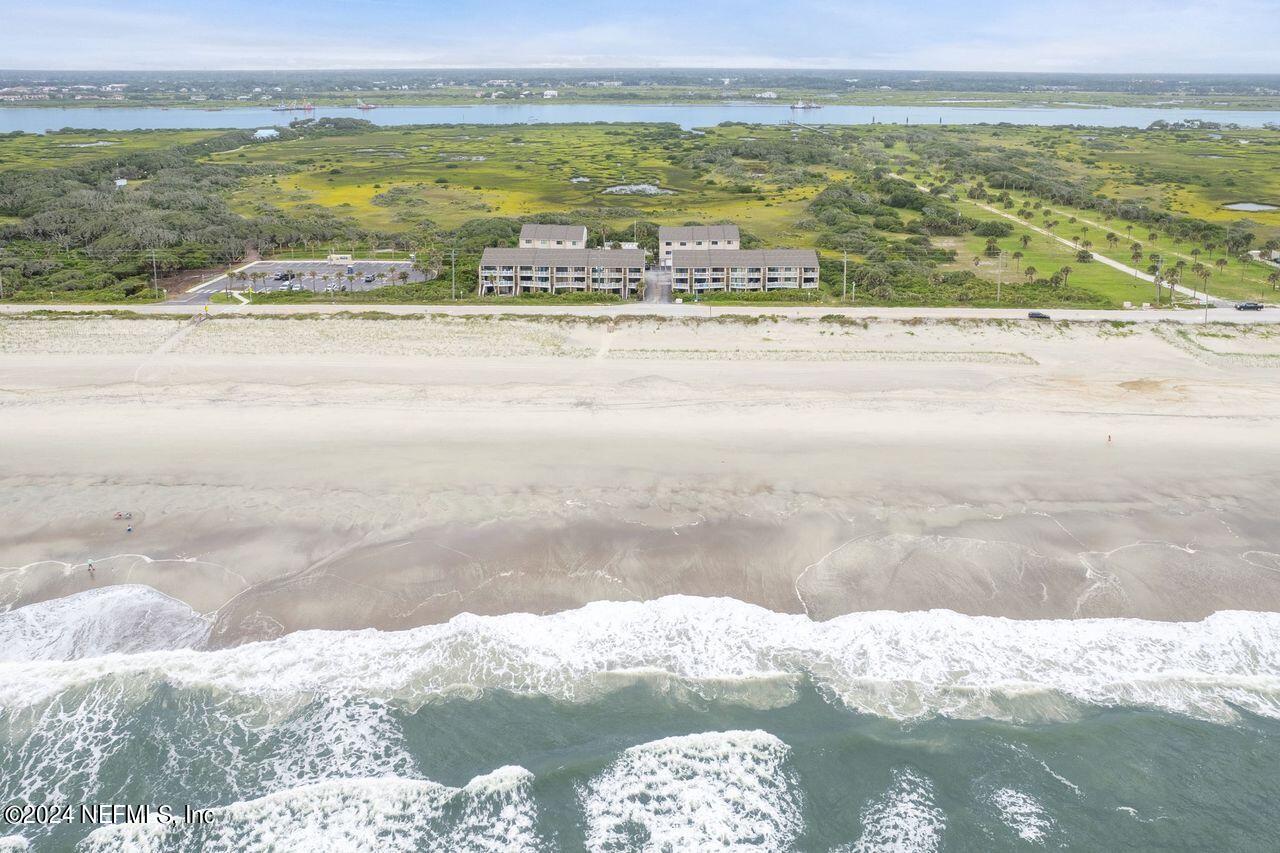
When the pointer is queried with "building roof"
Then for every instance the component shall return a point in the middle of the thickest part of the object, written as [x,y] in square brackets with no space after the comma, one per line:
[690,233]
[540,231]
[563,257]
[744,258]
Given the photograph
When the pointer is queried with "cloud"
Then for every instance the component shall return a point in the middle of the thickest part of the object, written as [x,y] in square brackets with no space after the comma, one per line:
[981,35]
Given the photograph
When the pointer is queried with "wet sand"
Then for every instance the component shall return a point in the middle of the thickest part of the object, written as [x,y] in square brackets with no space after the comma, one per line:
[342,473]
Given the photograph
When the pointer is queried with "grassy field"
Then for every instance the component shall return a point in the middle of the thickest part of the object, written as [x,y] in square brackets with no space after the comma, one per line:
[1188,172]
[1237,280]
[395,179]
[31,151]
[1046,256]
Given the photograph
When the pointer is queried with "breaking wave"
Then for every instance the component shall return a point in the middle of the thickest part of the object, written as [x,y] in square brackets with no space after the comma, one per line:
[722,790]
[1023,814]
[896,665]
[115,619]
[904,819]
[494,812]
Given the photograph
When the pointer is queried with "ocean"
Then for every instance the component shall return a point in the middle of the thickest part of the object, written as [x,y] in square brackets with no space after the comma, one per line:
[676,724]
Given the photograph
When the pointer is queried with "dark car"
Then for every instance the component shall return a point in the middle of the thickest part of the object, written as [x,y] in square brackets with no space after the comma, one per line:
[1037,315]
[1248,306]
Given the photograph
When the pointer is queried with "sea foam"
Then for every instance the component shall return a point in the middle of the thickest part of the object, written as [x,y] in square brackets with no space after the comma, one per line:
[714,790]
[494,812]
[898,665]
[124,619]
[904,819]
[1023,814]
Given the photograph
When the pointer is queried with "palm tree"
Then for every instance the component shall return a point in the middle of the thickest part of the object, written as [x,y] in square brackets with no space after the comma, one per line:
[1065,272]
[1017,260]
[1030,273]
[1274,279]
[1204,279]
[1025,240]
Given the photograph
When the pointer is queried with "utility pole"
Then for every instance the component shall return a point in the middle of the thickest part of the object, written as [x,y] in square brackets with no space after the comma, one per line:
[999,276]
[453,271]
[1156,277]
[844,287]
[155,284]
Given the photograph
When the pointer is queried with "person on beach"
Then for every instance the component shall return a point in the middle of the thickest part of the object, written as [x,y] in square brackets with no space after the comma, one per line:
[91,567]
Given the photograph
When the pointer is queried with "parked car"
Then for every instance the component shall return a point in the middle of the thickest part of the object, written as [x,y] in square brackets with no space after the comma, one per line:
[1248,306]
[368,279]
[1037,315]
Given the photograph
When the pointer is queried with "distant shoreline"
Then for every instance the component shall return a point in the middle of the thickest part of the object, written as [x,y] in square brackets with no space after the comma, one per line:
[945,99]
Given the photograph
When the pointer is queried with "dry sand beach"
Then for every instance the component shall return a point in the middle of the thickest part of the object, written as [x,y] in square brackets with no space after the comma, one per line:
[338,472]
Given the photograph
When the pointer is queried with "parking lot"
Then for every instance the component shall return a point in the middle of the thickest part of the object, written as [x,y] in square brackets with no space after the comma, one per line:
[262,277]
[321,275]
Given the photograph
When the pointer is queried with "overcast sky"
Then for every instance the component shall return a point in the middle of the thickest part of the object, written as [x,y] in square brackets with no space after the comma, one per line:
[977,35]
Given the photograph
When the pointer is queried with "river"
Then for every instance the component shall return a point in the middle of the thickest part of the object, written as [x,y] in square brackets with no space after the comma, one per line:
[42,119]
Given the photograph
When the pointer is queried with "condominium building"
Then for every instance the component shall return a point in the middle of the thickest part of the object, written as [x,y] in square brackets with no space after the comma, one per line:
[672,239]
[511,272]
[698,271]
[538,236]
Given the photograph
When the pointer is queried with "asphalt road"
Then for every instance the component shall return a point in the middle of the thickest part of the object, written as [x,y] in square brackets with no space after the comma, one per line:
[1226,314]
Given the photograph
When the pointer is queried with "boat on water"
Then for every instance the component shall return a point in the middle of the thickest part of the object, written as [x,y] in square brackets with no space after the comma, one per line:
[361,105]
[806,105]
[294,107]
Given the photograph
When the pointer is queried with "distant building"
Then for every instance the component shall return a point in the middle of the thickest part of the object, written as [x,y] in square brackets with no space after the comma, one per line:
[674,238]
[768,96]
[699,271]
[550,93]
[511,272]
[121,182]
[534,235]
